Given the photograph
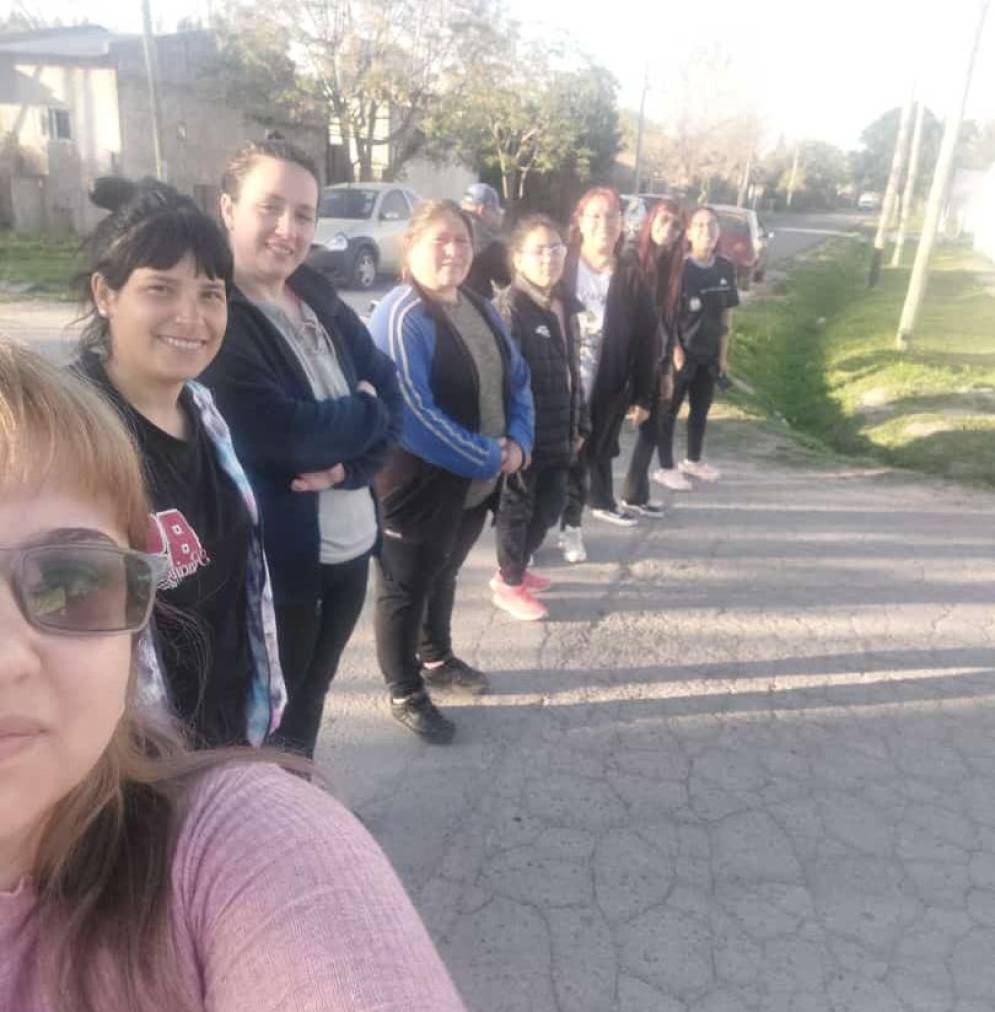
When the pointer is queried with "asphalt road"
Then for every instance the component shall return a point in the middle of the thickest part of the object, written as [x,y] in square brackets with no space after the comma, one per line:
[747,765]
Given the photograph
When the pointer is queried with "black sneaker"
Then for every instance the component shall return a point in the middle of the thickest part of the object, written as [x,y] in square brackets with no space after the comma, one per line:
[419,714]
[654,510]
[456,675]
[619,517]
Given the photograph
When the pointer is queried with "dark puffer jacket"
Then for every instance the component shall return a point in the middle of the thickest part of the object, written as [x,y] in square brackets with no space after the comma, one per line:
[553,365]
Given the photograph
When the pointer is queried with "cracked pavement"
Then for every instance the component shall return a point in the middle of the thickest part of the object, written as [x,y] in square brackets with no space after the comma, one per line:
[746,765]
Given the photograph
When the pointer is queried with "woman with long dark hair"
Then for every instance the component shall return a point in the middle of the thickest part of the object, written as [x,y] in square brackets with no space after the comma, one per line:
[314,408]
[617,356]
[155,290]
[701,354]
[660,254]
[468,420]
[136,876]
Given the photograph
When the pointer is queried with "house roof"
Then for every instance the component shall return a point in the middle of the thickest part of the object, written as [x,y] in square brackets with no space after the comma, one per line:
[75,42]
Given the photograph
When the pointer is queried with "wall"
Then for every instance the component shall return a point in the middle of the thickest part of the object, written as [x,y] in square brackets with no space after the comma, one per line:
[200,128]
[28,89]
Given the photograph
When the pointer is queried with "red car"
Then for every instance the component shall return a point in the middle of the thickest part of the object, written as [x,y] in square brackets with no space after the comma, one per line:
[744,241]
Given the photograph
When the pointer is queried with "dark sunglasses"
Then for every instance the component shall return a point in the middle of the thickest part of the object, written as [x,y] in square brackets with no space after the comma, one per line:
[82,589]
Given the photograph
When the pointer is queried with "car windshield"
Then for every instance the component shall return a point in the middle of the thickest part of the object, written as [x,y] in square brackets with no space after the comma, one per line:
[732,224]
[353,204]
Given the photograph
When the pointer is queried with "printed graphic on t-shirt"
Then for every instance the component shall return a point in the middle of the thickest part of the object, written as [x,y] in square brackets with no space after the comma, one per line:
[172,537]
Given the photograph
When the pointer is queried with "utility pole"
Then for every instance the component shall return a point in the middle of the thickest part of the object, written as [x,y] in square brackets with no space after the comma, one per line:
[891,190]
[793,178]
[152,74]
[744,184]
[639,131]
[937,194]
[910,185]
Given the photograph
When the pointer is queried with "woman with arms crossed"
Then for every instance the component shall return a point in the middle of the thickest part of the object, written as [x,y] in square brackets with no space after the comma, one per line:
[313,408]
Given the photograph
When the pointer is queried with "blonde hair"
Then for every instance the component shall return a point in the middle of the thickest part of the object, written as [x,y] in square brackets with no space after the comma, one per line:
[55,430]
[425,214]
[102,867]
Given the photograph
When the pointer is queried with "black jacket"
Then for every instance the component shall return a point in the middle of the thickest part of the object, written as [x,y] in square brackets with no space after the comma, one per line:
[630,349]
[281,430]
[489,270]
[553,365]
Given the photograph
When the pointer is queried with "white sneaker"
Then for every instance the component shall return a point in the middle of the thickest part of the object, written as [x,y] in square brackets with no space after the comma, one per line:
[670,477]
[572,544]
[699,469]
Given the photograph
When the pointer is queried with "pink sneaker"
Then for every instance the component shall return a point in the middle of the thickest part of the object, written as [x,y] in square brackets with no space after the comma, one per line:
[536,582]
[519,603]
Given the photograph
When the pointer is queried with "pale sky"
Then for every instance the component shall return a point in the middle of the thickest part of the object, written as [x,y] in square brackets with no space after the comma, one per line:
[810,70]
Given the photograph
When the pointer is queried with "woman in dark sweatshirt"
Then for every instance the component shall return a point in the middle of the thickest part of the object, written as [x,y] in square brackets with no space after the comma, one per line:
[313,407]
[617,353]
[542,320]
[661,259]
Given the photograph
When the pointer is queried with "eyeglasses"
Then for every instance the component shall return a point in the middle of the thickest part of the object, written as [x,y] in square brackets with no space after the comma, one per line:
[82,589]
[556,249]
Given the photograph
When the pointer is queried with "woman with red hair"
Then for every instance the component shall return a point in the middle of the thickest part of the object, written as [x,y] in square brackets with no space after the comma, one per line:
[660,253]
[617,353]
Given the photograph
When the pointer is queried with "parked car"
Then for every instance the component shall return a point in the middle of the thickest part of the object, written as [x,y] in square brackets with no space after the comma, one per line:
[869,201]
[743,240]
[359,231]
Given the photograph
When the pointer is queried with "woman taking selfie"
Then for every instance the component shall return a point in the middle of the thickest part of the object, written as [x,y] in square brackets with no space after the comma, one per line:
[468,420]
[617,358]
[313,408]
[155,292]
[136,876]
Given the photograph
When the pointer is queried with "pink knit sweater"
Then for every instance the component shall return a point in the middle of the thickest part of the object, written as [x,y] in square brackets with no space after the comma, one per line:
[282,903]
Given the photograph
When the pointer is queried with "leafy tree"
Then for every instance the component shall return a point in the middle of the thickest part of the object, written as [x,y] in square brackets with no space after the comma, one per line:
[256,71]
[377,67]
[522,111]
[872,163]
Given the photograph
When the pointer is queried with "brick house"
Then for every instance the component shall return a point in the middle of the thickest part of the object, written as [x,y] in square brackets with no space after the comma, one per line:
[74,105]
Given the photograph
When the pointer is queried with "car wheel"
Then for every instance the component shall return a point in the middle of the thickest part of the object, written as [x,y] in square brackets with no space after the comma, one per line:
[364,268]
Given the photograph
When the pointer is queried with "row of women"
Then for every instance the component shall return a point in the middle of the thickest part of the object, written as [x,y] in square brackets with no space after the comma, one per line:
[279,447]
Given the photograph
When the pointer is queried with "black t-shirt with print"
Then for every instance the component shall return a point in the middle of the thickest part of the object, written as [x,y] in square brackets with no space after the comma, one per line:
[201,523]
[706,292]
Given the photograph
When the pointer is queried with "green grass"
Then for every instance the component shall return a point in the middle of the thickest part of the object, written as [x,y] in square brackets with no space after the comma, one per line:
[36,267]
[822,355]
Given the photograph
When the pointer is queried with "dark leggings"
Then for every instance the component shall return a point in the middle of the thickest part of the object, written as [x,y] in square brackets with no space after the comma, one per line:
[589,481]
[531,502]
[637,485]
[697,383]
[312,638]
[415,592]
